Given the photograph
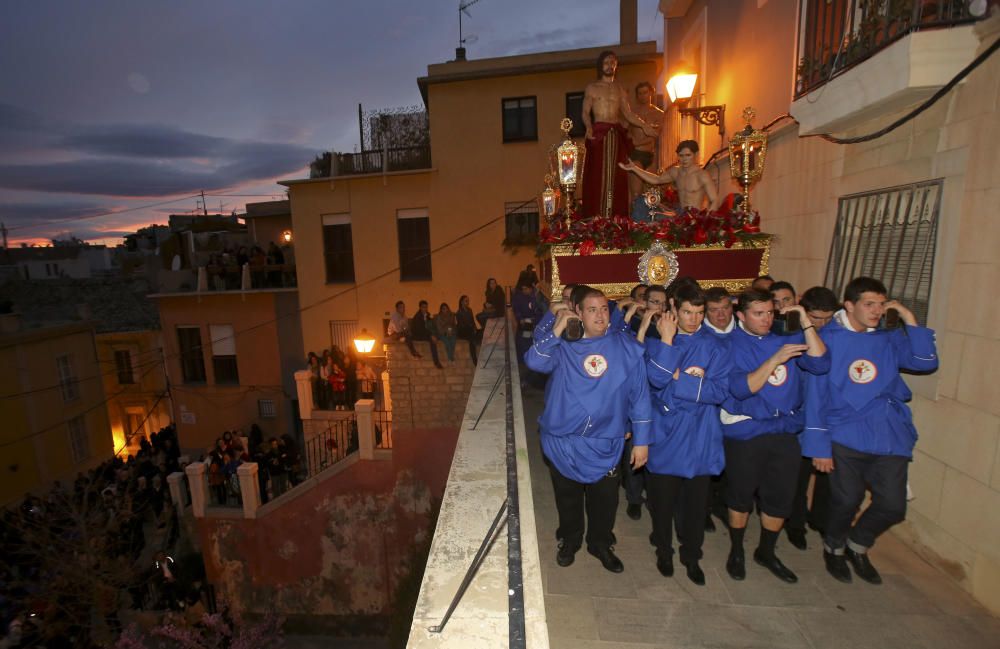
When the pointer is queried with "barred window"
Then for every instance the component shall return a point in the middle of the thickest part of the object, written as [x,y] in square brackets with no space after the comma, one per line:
[79,440]
[889,234]
[266,409]
[123,365]
[521,222]
[68,384]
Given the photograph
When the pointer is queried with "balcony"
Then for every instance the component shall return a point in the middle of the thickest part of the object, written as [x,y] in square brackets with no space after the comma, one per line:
[220,279]
[402,158]
[858,60]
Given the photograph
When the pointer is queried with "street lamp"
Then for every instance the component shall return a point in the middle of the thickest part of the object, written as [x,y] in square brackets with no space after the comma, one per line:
[286,236]
[364,342]
[680,88]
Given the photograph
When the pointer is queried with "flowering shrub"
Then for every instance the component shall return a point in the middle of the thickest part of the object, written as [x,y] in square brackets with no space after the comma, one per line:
[691,227]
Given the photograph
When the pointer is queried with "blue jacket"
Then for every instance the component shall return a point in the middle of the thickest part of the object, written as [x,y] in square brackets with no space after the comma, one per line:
[860,404]
[776,407]
[687,432]
[596,386]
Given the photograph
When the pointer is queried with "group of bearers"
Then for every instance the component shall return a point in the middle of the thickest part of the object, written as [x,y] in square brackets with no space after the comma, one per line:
[755,398]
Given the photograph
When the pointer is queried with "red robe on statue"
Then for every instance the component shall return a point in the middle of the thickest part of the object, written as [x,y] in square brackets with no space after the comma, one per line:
[605,184]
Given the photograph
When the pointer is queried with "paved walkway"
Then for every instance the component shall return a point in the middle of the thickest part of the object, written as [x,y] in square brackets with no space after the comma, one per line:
[917,607]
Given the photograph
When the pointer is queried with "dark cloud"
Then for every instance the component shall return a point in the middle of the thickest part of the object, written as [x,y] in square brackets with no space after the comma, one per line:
[165,161]
[145,142]
[547,40]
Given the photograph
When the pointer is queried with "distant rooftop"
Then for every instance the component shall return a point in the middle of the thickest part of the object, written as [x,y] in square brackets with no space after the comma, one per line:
[114,304]
[268,208]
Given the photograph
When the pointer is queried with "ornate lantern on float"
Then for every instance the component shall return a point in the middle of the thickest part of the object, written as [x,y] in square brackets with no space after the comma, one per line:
[569,165]
[747,149]
[549,200]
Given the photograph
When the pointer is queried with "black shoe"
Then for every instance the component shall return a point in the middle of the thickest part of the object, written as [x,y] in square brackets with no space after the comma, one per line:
[566,555]
[797,538]
[863,567]
[608,559]
[709,523]
[652,540]
[695,573]
[634,511]
[666,566]
[836,565]
[439,366]
[777,568]
[736,566]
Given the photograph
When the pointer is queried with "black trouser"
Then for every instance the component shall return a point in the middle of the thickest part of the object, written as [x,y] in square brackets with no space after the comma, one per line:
[691,496]
[802,512]
[434,349]
[632,481]
[885,475]
[599,499]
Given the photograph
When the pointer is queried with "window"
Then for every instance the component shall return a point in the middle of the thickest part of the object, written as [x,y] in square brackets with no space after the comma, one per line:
[890,235]
[123,364]
[266,409]
[192,360]
[224,354]
[520,122]
[338,248]
[68,384]
[414,230]
[521,223]
[574,111]
[79,440]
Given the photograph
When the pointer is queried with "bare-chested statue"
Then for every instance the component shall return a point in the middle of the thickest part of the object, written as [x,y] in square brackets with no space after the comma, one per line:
[694,186]
[643,147]
[605,185]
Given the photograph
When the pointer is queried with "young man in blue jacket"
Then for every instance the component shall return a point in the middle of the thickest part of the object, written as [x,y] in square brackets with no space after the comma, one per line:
[762,418]
[596,386]
[688,367]
[859,429]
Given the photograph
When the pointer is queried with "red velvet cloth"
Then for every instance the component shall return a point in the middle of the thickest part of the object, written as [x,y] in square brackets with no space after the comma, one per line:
[609,146]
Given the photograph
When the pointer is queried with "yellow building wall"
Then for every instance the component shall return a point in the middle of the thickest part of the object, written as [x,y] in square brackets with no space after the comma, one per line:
[35,433]
[474,175]
[205,410]
[954,520]
[143,396]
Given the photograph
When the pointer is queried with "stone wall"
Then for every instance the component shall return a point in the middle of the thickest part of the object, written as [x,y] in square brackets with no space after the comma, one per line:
[424,396]
[334,556]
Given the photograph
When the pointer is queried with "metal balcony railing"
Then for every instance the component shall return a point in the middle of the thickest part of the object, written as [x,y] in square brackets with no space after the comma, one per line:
[404,158]
[835,35]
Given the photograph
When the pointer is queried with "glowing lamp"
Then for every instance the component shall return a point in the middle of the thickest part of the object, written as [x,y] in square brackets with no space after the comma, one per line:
[286,236]
[364,343]
[680,87]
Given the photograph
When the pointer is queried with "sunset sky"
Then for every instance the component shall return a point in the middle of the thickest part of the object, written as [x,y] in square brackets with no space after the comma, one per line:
[108,106]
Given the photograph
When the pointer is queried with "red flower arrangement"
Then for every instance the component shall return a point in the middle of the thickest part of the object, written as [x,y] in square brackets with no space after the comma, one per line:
[692,227]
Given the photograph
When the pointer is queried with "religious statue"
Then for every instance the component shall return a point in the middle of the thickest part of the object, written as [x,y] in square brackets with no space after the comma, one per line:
[694,186]
[605,185]
[643,146]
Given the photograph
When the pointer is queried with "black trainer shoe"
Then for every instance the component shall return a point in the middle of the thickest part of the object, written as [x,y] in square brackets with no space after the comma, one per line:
[608,559]
[634,511]
[695,573]
[736,566]
[709,523]
[777,568]
[797,538]
[836,565]
[566,555]
[665,565]
[863,567]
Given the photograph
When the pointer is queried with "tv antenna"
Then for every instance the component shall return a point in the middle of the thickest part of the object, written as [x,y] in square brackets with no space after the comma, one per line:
[463,8]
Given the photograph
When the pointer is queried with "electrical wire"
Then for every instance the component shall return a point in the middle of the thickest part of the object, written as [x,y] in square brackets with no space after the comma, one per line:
[102,214]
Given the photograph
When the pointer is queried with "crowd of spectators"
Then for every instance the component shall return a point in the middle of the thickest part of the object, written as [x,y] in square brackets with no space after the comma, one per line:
[279,465]
[268,268]
[339,379]
[105,517]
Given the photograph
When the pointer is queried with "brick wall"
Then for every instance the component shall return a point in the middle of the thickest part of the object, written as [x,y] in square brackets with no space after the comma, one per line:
[424,396]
